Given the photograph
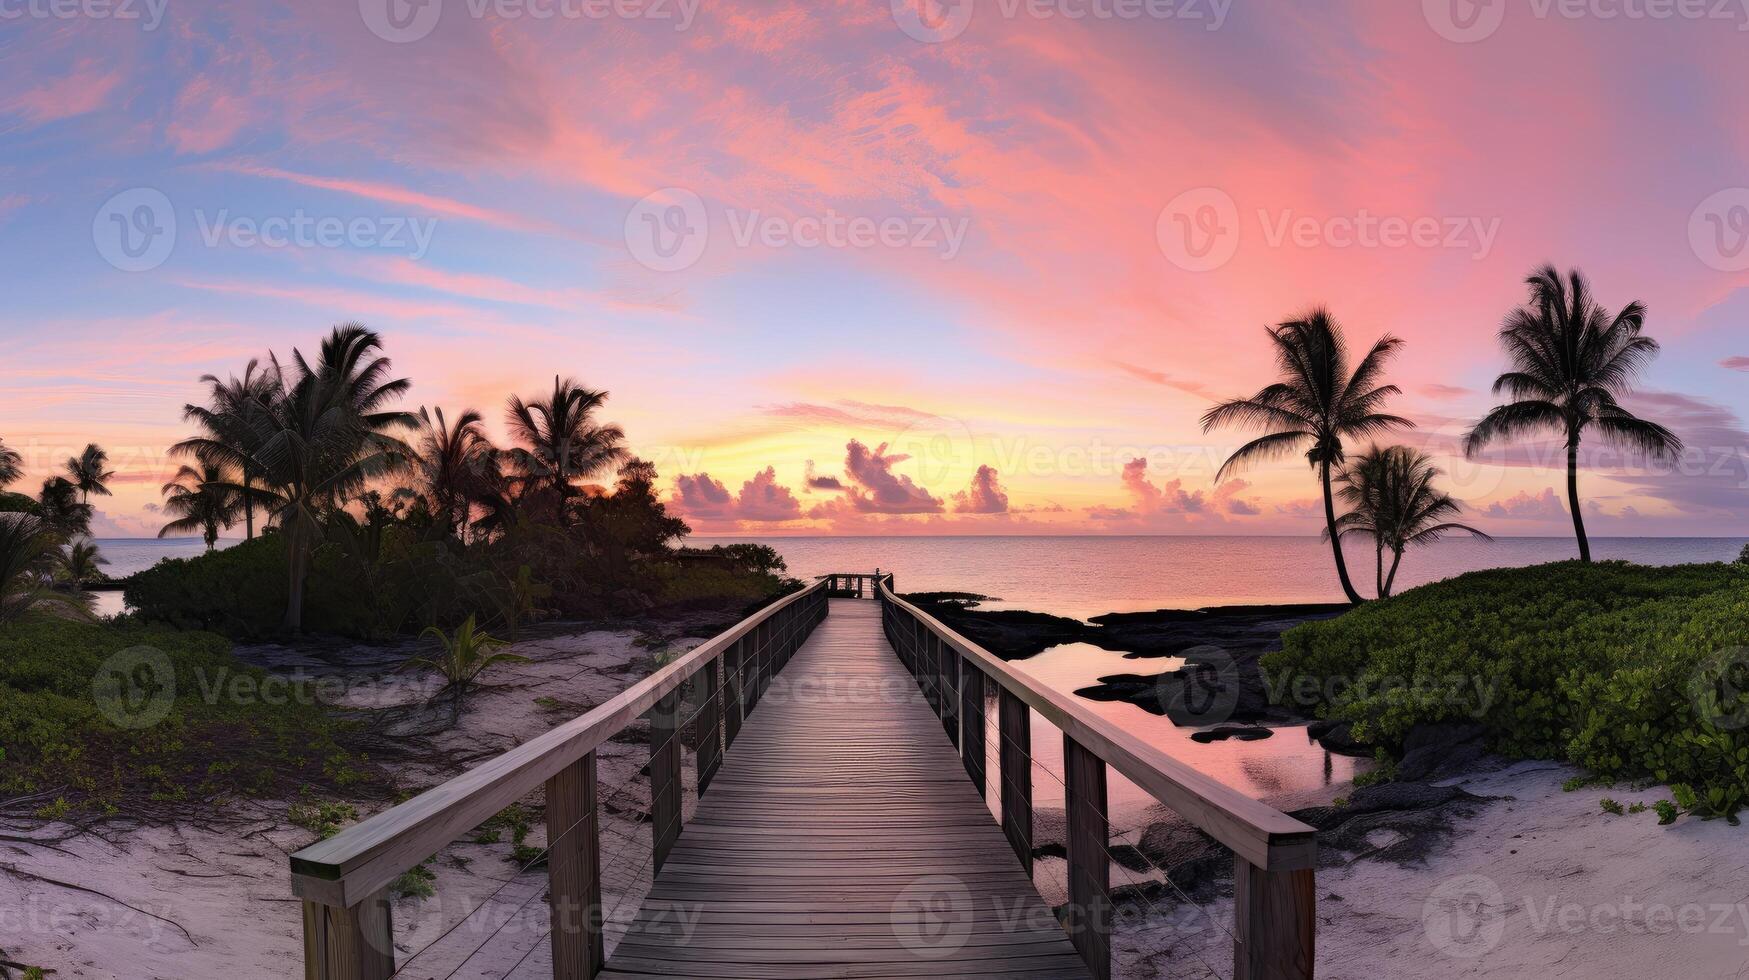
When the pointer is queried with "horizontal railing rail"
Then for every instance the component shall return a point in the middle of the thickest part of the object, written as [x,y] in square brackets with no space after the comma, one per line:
[1275,855]
[344,880]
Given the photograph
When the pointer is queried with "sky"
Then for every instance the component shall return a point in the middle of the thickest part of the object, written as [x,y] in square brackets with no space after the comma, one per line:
[883,268]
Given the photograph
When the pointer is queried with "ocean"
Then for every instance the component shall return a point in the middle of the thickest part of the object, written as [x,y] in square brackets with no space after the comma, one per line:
[1086,576]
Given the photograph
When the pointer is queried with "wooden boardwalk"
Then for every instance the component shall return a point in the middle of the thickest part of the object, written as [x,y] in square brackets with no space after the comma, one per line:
[841,838]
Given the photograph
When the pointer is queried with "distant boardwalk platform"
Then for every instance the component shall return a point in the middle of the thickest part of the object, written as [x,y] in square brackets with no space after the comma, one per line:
[841,838]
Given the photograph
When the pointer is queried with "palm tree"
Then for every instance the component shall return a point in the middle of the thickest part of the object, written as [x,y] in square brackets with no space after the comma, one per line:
[201,500]
[88,472]
[1572,362]
[325,431]
[11,465]
[561,442]
[81,563]
[456,463]
[27,553]
[63,513]
[1317,403]
[231,407]
[1392,499]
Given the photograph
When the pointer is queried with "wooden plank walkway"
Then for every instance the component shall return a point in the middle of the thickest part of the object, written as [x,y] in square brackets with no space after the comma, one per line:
[842,838]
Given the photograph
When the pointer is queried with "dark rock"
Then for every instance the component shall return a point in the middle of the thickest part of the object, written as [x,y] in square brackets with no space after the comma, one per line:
[1243,733]
[1192,859]
[1338,737]
[1444,747]
[1009,633]
[1414,818]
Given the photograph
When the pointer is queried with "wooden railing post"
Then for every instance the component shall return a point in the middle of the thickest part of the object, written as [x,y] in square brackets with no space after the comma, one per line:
[1087,916]
[1015,721]
[734,700]
[949,659]
[972,723]
[574,871]
[665,775]
[709,724]
[355,943]
[1276,923]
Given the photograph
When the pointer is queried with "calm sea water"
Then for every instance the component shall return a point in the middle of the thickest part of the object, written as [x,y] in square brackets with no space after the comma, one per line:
[1086,576]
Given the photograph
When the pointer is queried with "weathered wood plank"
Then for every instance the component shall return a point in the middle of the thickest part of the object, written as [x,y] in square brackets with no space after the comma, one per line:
[1275,923]
[1088,914]
[574,870]
[665,776]
[1014,721]
[972,747]
[708,751]
[355,943]
[840,838]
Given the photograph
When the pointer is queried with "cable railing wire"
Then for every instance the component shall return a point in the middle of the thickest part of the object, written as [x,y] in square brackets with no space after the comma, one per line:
[751,687]
[935,680]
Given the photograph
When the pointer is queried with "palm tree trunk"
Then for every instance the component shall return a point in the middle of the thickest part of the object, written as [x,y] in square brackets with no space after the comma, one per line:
[1378,553]
[1336,537]
[1573,500]
[248,507]
[295,561]
[1391,580]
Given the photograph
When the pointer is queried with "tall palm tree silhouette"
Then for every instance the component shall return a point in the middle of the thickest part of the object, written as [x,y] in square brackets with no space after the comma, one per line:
[1572,362]
[1316,404]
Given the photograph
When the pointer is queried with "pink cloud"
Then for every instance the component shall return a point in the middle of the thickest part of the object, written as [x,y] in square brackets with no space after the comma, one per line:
[1735,363]
[1525,506]
[400,196]
[762,499]
[86,88]
[874,487]
[984,496]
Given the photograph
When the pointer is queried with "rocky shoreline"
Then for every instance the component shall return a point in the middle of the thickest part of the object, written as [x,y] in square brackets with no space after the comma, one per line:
[1220,680]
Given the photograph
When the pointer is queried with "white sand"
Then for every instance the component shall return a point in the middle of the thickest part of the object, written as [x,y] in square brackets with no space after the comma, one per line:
[1542,885]
[188,904]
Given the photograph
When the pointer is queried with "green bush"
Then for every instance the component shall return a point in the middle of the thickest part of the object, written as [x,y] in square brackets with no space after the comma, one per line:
[1625,670]
[99,746]
[239,591]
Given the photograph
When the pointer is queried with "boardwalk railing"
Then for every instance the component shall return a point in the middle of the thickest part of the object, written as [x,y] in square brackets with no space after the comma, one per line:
[344,881]
[1274,854]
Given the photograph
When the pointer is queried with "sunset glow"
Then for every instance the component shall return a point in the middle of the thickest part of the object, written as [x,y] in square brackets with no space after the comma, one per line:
[841,279]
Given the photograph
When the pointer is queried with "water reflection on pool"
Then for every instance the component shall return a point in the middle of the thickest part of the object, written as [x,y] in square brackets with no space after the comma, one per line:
[1287,762]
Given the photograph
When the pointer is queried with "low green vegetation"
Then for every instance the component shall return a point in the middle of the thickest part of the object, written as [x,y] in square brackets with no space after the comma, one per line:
[1627,671]
[98,717]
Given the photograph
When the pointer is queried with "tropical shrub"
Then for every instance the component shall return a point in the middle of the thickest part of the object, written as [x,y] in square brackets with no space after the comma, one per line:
[1628,671]
[100,715]
[464,656]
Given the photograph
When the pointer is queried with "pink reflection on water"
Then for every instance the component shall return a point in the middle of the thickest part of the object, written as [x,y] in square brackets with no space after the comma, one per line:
[1287,762]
